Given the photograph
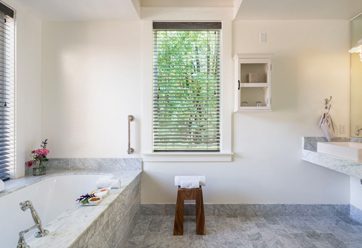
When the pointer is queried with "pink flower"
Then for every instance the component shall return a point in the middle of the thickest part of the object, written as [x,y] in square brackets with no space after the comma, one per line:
[29,163]
[41,152]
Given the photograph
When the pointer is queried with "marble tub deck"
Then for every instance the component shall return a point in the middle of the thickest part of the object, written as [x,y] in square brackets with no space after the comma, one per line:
[90,226]
[249,231]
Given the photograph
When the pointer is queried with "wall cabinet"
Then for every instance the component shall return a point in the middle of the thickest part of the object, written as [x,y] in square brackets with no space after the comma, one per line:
[253,82]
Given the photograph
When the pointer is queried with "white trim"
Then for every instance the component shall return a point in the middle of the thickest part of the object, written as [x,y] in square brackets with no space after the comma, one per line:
[187,157]
[16,166]
[356,16]
[226,101]
[253,58]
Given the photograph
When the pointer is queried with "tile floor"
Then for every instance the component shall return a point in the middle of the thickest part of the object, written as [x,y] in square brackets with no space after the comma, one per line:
[249,232]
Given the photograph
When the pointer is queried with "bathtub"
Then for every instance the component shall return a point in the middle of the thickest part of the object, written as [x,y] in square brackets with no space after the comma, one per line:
[51,197]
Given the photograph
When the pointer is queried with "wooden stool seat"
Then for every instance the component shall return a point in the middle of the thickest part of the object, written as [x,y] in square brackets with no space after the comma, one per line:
[189,194]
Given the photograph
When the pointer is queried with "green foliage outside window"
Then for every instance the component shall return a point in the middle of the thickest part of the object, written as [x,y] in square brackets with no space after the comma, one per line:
[186,90]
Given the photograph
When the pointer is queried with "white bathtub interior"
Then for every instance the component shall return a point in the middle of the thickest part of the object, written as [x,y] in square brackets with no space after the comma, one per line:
[50,198]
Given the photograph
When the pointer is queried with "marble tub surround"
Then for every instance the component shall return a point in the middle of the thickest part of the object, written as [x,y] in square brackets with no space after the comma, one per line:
[94,164]
[105,225]
[249,230]
[77,227]
[65,166]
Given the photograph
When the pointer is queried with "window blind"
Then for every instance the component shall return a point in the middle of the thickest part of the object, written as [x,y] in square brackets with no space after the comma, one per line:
[186,87]
[7,91]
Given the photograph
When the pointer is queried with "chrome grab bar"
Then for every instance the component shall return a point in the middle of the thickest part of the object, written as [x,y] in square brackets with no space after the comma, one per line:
[130,149]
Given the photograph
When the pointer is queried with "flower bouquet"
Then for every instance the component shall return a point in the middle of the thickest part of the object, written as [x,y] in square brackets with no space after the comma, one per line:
[40,160]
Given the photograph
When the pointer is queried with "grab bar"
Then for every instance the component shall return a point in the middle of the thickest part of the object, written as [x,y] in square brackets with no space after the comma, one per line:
[130,149]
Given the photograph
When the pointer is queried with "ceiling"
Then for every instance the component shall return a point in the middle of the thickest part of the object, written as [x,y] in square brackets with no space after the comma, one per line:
[76,10]
[299,9]
[187,3]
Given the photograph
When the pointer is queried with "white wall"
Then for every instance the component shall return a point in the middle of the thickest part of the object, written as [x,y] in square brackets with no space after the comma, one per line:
[93,76]
[356,101]
[28,84]
[91,82]
[356,78]
[311,62]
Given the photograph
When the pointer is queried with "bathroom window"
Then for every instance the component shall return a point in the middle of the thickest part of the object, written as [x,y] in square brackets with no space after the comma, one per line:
[186,87]
[7,92]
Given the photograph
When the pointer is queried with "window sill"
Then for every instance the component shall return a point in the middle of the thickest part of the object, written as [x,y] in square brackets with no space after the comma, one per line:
[187,157]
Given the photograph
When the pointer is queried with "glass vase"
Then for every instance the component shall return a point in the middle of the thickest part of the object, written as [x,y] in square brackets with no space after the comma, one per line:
[40,168]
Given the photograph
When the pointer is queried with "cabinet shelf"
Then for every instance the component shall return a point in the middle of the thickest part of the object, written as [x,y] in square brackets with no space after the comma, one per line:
[253,82]
[252,85]
[254,109]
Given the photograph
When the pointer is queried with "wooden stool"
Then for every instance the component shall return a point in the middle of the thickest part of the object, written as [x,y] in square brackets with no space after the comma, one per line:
[189,194]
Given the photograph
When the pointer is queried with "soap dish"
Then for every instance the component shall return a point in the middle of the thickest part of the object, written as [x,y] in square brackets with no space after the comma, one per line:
[93,201]
[89,200]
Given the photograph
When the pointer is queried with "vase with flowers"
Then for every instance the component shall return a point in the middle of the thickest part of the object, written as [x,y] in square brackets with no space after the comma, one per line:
[40,160]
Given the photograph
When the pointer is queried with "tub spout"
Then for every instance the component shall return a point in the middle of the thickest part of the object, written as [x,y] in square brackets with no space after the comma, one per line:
[28,205]
[21,242]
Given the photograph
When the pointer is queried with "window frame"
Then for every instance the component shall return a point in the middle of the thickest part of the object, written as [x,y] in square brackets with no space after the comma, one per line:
[11,12]
[159,147]
[226,100]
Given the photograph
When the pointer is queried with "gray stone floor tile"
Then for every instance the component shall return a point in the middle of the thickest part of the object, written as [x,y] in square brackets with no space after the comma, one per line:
[248,231]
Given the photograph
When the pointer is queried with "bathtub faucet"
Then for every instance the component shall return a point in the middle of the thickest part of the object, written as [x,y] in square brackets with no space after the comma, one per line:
[41,231]
[21,242]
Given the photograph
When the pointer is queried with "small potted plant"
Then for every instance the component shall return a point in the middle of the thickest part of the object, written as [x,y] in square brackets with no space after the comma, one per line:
[40,160]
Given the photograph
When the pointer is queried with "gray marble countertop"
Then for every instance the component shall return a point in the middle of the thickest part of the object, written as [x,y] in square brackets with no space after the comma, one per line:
[335,163]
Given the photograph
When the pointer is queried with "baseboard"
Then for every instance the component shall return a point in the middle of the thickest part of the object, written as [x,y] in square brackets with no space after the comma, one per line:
[355,213]
[232,210]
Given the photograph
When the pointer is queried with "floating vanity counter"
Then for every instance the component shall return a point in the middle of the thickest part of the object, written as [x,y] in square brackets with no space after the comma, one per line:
[347,150]
[341,155]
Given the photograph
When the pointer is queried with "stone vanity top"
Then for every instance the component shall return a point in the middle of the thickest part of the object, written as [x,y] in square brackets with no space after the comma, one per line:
[66,228]
[341,165]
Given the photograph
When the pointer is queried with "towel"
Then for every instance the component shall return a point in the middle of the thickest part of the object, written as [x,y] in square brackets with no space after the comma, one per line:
[327,126]
[190,182]
[108,182]
[2,185]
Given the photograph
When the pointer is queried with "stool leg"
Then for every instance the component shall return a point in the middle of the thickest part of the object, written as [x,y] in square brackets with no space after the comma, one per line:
[200,214]
[178,227]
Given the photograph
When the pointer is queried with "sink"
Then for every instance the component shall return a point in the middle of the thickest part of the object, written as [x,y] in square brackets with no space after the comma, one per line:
[347,150]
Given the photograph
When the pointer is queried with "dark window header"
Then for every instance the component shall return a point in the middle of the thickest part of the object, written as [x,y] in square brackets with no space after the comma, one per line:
[6,10]
[186,25]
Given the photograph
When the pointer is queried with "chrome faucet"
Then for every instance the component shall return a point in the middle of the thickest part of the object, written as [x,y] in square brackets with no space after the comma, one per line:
[357,133]
[41,231]
[21,242]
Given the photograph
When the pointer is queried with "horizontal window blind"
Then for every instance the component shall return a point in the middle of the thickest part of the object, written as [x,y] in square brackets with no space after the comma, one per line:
[7,91]
[186,87]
